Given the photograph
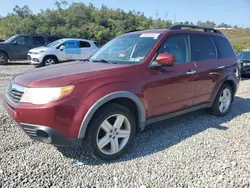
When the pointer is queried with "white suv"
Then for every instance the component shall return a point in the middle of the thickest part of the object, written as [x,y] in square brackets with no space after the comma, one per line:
[62,50]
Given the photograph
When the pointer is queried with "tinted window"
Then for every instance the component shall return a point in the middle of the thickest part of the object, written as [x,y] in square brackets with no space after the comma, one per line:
[245,55]
[52,39]
[177,45]
[38,40]
[22,40]
[84,44]
[202,48]
[224,47]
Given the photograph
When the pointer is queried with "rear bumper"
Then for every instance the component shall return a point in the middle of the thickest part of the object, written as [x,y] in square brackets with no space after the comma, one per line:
[48,135]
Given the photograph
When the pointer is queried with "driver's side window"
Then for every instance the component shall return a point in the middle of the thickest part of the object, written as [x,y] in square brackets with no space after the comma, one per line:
[177,45]
[22,40]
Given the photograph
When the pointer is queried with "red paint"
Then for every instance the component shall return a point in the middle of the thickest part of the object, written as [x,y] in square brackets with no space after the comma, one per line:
[162,90]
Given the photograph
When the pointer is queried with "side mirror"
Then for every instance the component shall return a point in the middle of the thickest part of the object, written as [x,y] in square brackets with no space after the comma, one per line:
[165,59]
[62,48]
[14,42]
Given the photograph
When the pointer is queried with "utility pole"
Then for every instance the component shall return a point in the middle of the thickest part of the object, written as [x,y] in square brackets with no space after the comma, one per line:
[166,17]
[156,17]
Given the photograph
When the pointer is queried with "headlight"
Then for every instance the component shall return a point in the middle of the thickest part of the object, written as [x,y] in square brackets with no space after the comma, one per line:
[45,95]
[40,52]
[246,64]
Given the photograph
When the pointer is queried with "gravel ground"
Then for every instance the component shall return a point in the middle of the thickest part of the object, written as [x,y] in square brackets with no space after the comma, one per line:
[195,150]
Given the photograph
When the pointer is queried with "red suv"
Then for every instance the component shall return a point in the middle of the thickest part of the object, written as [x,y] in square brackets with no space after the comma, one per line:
[136,79]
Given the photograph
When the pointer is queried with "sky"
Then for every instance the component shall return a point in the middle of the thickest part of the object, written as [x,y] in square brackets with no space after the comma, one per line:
[233,12]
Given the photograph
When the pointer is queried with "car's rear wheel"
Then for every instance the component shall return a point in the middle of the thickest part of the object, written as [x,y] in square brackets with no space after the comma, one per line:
[223,101]
[3,58]
[111,132]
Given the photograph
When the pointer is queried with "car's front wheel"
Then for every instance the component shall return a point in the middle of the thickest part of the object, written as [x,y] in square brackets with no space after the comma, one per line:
[223,100]
[111,132]
[48,61]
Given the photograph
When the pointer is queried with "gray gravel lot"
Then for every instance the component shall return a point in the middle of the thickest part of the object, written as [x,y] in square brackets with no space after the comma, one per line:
[195,150]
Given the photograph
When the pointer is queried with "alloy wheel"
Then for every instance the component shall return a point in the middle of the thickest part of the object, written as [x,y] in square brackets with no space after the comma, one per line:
[113,134]
[49,62]
[225,100]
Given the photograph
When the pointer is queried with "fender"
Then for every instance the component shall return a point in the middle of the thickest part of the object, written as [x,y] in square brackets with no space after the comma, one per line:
[107,98]
[228,78]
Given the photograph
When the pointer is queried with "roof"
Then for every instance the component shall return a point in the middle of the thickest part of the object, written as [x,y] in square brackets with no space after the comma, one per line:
[192,28]
[67,39]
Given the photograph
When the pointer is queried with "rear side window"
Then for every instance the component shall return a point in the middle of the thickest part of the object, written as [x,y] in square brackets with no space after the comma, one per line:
[177,45]
[84,44]
[39,40]
[202,48]
[224,47]
[52,39]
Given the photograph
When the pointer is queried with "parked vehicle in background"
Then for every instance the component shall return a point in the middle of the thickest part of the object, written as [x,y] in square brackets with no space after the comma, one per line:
[104,102]
[244,58]
[2,40]
[62,50]
[17,46]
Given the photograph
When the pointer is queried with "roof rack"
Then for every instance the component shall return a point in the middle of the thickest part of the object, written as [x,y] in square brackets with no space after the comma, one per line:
[206,29]
[132,31]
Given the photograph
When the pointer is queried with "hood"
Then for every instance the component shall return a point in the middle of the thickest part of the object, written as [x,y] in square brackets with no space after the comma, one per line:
[67,73]
[39,49]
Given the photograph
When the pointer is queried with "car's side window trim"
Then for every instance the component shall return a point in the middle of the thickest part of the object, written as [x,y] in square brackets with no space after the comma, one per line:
[188,50]
[216,49]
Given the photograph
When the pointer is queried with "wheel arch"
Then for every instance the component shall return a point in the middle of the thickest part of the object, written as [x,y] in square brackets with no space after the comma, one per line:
[6,53]
[228,80]
[50,55]
[119,98]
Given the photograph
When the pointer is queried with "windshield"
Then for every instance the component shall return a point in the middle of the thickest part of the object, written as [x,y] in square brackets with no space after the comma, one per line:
[9,40]
[245,55]
[55,43]
[125,49]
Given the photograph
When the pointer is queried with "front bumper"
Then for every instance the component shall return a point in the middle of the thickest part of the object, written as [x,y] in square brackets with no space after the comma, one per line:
[57,123]
[245,70]
[48,135]
[35,59]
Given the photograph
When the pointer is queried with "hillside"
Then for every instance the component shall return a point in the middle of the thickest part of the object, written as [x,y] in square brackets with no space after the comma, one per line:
[237,36]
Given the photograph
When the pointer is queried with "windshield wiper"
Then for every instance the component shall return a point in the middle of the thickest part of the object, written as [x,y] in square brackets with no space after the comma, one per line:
[104,61]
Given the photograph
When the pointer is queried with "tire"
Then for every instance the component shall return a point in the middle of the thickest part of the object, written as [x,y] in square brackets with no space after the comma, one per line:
[95,132]
[3,58]
[46,60]
[227,91]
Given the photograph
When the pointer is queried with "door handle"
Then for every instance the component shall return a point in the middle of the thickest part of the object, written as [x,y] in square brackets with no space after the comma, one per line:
[221,67]
[191,72]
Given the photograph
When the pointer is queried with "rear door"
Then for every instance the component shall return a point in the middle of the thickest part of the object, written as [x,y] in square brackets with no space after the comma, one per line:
[208,69]
[37,41]
[86,50]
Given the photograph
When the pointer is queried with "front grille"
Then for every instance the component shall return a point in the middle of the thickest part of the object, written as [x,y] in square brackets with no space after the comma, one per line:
[15,92]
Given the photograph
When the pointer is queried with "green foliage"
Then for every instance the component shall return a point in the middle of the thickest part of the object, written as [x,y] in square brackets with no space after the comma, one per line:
[81,20]
[240,47]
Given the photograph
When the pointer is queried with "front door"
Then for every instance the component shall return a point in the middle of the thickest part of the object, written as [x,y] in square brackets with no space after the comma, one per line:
[19,48]
[171,89]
